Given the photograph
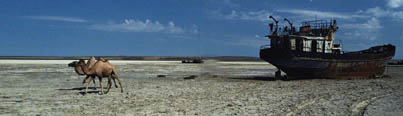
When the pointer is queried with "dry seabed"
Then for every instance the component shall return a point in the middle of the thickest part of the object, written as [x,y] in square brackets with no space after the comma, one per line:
[221,88]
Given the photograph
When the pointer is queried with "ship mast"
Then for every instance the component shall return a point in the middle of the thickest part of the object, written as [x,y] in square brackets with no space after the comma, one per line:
[276,26]
[292,29]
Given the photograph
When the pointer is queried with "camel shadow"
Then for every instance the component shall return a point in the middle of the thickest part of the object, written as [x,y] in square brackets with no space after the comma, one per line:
[89,92]
[78,89]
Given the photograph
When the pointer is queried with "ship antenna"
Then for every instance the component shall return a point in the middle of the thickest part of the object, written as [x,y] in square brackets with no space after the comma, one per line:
[275,21]
[292,28]
[341,45]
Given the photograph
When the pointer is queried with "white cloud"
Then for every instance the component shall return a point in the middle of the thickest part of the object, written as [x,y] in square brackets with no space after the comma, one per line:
[263,15]
[394,3]
[368,30]
[398,15]
[171,28]
[251,15]
[139,26]
[320,14]
[57,18]
[379,12]
[371,24]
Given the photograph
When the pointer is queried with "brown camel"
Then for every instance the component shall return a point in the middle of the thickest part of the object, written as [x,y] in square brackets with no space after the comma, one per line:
[91,62]
[101,69]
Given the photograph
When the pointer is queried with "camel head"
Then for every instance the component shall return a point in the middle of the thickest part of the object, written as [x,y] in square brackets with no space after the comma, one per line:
[73,64]
[81,62]
[76,63]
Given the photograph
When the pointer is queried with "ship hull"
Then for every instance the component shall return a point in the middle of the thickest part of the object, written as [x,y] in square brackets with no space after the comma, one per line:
[361,64]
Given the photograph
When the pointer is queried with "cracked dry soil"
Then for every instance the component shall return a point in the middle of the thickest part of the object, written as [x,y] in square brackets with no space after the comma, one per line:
[219,89]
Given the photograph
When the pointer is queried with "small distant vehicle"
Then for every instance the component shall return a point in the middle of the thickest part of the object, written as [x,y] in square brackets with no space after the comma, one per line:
[193,61]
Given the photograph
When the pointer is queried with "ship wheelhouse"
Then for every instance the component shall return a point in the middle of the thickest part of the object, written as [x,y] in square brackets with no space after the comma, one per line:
[313,37]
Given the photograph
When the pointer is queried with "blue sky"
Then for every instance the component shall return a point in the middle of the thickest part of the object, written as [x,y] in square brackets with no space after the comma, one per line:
[183,27]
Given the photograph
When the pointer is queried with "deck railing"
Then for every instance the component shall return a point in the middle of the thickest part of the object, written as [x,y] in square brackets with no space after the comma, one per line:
[319,24]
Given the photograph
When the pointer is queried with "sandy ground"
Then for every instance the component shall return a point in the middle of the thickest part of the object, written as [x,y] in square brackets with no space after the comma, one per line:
[221,88]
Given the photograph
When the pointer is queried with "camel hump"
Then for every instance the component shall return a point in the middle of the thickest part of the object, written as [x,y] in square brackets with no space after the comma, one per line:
[104,60]
[91,62]
[92,58]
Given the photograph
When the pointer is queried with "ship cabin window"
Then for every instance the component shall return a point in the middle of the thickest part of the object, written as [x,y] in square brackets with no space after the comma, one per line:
[328,46]
[319,46]
[307,45]
[292,42]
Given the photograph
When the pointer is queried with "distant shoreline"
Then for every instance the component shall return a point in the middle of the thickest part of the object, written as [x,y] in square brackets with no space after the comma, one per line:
[152,58]
[149,58]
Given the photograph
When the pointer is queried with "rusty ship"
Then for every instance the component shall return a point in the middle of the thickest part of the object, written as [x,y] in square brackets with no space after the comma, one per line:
[311,52]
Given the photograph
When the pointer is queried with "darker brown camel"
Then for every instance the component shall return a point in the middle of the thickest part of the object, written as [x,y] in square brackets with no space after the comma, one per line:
[101,69]
[91,62]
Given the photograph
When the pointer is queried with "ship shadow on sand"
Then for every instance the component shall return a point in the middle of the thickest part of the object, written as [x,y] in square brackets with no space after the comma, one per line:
[257,78]
[273,78]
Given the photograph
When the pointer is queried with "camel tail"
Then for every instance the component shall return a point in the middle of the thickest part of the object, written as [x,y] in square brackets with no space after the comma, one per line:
[115,72]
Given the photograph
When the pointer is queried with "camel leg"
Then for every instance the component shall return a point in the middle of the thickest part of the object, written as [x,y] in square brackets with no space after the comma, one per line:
[78,77]
[85,80]
[86,86]
[120,83]
[116,85]
[100,84]
[109,83]
[93,80]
